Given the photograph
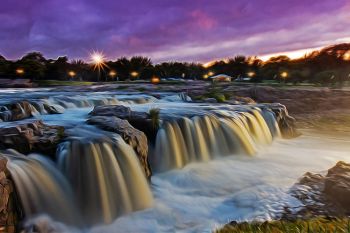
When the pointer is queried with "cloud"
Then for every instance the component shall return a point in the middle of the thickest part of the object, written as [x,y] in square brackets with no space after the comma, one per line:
[192,30]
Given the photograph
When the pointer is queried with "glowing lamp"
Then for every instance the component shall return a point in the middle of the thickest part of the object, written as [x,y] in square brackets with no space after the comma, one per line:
[134,74]
[205,76]
[112,73]
[210,73]
[19,71]
[284,74]
[155,80]
[251,74]
[71,73]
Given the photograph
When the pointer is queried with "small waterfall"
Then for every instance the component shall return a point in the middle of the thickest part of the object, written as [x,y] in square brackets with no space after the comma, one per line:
[42,188]
[106,177]
[202,138]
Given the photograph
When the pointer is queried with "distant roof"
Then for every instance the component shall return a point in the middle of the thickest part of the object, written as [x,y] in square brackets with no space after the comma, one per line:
[220,76]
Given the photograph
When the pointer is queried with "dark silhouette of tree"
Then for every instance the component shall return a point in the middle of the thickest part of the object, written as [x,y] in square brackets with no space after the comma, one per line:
[4,67]
[328,66]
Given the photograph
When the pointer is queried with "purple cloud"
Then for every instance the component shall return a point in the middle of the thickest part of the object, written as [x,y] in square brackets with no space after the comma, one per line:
[191,30]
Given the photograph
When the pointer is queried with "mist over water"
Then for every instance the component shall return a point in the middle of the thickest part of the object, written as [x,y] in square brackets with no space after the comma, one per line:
[203,196]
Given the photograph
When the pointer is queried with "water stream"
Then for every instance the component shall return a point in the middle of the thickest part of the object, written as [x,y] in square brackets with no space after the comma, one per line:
[212,164]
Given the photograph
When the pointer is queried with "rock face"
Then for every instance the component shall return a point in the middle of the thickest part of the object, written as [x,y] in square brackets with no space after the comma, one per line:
[29,137]
[119,111]
[135,138]
[337,185]
[24,109]
[9,208]
[297,100]
[17,111]
[326,195]
[285,122]
[139,120]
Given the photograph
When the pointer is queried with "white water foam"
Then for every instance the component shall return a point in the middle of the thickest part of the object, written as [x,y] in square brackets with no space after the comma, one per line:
[203,196]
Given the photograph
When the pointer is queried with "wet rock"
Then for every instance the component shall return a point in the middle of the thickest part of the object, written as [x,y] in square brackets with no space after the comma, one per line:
[10,213]
[285,122]
[119,111]
[17,111]
[24,109]
[324,195]
[29,137]
[210,100]
[337,184]
[135,138]
[139,120]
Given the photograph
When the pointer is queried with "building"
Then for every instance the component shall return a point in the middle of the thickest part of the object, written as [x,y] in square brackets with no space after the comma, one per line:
[221,78]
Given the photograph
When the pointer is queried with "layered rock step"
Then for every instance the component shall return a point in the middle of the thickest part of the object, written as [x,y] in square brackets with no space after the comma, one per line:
[34,136]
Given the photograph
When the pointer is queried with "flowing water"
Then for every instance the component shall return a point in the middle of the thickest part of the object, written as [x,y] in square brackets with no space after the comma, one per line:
[212,164]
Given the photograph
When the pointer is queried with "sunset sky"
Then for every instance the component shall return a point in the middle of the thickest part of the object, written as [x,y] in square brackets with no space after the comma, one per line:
[165,30]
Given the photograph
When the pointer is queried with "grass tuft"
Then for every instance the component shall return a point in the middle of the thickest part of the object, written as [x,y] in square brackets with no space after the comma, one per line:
[315,225]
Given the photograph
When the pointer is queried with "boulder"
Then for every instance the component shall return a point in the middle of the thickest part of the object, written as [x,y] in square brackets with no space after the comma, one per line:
[337,184]
[135,138]
[324,195]
[24,109]
[17,111]
[119,111]
[285,122]
[139,120]
[10,213]
[33,136]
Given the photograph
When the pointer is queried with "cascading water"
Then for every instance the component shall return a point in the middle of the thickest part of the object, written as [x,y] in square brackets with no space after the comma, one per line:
[202,138]
[42,188]
[99,176]
[106,177]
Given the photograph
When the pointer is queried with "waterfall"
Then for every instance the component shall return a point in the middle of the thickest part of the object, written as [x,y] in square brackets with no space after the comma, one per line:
[106,177]
[219,133]
[42,188]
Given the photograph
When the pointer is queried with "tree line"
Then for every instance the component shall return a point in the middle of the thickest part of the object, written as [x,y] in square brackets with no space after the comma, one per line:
[330,65]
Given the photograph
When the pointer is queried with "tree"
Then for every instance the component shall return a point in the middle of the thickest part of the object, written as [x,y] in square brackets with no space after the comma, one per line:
[4,66]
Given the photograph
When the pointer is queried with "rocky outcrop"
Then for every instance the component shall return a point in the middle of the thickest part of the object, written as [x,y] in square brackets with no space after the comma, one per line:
[337,185]
[297,100]
[119,111]
[10,213]
[285,122]
[139,120]
[24,109]
[135,138]
[17,111]
[324,195]
[29,137]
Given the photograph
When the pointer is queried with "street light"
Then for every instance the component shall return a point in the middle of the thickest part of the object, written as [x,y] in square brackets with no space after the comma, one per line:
[71,74]
[284,74]
[134,74]
[20,71]
[251,74]
[346,56]
[205,76]
[155,80]
[210,73]
[112,74]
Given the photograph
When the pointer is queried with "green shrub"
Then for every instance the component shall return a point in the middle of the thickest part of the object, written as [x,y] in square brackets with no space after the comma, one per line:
[154,115]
